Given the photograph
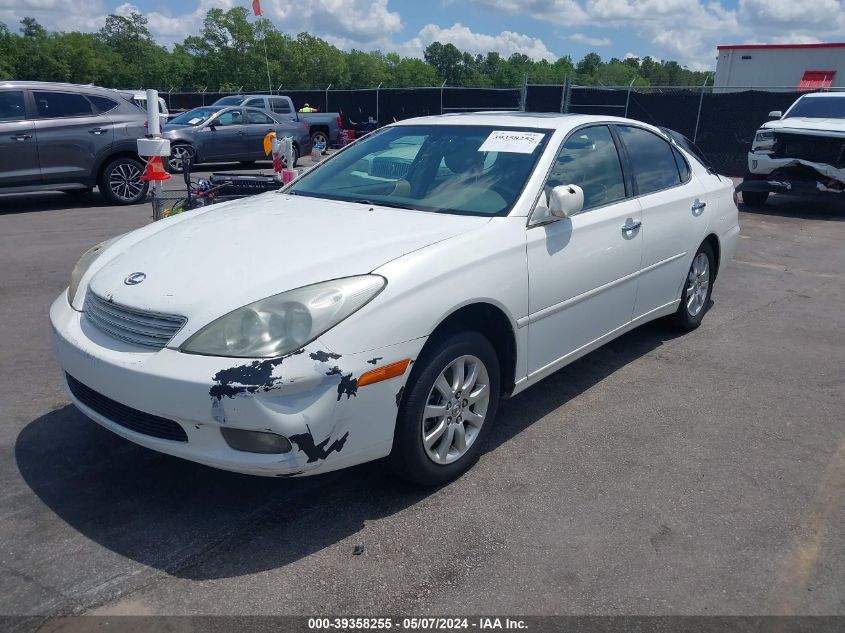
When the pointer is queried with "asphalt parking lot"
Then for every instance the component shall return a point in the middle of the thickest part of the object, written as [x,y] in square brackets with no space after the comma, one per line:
[662,474]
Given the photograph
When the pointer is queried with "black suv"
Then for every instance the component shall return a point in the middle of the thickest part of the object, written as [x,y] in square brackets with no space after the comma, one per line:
[71,138]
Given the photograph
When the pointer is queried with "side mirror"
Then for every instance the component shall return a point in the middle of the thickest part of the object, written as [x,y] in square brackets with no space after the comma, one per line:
[775,114]
[566,200]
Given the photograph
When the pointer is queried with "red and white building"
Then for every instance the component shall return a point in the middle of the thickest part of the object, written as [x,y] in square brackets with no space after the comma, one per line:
[780,67]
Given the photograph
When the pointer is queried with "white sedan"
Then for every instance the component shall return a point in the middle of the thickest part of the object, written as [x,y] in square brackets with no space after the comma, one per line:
[384,303]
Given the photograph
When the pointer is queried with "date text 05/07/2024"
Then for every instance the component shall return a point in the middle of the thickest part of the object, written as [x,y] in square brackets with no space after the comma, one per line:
[415,624]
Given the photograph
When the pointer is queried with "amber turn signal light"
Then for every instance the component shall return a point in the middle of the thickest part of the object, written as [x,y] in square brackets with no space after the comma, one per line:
[384,373]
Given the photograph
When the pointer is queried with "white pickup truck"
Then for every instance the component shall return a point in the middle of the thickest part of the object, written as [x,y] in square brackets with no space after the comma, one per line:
[801,152]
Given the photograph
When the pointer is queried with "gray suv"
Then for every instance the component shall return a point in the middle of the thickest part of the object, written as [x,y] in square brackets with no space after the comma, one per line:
[70,138]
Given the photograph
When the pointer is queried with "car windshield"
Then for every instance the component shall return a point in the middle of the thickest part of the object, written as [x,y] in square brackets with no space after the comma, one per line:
[819,108]
[459,169]
[197,116]
[230,100]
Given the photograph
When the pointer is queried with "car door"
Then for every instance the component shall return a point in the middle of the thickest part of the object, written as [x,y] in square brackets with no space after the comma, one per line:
[257,126]
[19,164]
[225,140]
[670,199]
[582,270]
[71,135]
[281,107]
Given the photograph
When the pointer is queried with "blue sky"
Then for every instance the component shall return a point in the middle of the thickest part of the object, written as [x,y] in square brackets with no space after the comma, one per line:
[685,30]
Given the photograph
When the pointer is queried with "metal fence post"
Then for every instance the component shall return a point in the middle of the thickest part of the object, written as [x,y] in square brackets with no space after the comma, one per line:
[377,90]
[523,95]
[698,117]
[327,97]
[563,91]
[628,98]
[568,96]
[441,96]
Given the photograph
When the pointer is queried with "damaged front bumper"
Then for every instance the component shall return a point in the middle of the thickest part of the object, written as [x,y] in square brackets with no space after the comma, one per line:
[791,176]
[310,397]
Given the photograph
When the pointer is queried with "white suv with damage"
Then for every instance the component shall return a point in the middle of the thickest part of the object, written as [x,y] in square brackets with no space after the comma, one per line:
[801,152]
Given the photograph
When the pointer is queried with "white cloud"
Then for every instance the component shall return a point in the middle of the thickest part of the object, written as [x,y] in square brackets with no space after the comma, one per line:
[580,38]
[794,14]
[55,15]
[358,22]
[690,30]
[505,43]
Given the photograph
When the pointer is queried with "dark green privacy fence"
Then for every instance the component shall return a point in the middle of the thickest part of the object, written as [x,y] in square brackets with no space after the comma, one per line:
[722,124]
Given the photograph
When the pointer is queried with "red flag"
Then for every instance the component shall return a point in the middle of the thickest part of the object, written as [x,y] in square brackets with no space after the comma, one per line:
[256,7]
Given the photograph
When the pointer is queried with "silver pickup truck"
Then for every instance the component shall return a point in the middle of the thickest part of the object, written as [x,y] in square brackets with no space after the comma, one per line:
[325,126]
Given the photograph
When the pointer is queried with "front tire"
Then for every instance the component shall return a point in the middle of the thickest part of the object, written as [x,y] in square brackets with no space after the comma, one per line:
[120,182]
[447,408]
[698,286]
[179,154]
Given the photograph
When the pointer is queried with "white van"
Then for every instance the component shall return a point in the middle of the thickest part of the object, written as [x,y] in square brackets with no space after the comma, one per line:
[140,99]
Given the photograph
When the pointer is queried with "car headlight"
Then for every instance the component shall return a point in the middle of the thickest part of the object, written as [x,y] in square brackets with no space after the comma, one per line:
[763,139]
[84,263]
[283,323]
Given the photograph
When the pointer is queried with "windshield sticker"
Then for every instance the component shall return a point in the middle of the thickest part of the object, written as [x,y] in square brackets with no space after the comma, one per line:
[194,121]
[514,142]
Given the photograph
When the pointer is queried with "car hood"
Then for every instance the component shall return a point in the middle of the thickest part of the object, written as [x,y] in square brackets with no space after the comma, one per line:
[816,127]
[227,257]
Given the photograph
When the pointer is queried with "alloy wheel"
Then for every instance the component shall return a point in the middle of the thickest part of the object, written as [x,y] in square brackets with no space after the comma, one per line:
[125,181]
[178,155]
[455,409]
[698,282]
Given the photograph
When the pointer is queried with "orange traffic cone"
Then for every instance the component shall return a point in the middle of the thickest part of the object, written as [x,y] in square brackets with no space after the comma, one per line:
[155,170]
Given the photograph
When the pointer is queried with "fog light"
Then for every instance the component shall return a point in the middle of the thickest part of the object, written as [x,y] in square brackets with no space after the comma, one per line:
[255,441]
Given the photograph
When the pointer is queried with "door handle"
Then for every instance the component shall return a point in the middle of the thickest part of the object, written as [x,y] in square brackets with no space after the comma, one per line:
[241,132]
[631,225]
[98,131]
[698,206]
[22,137]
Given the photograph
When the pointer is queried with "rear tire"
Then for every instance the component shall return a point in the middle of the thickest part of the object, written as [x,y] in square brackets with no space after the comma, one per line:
[320,137]
[755,198]
[120,182]
[698,286]
[456,381]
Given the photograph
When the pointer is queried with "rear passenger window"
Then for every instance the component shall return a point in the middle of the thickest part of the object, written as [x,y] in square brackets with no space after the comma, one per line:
[280,105]
[102,103]
[683,165]
[651,158]
[56,105]
[11,105]
[589,159]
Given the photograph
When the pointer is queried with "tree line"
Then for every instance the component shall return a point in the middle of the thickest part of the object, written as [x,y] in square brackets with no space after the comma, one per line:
[228,55]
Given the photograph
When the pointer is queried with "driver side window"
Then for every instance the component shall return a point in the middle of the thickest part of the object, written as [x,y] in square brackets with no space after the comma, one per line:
[589,159]
[232,117]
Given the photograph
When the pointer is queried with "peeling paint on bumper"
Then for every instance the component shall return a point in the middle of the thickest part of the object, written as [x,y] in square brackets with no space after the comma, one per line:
[298,396]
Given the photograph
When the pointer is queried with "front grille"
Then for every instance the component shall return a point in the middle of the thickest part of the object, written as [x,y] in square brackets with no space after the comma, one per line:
[140,327]
[127,417]
[816,149]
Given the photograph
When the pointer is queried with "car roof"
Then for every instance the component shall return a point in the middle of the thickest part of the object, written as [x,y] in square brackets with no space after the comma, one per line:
[818,95]
[539,120]
[55,84]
